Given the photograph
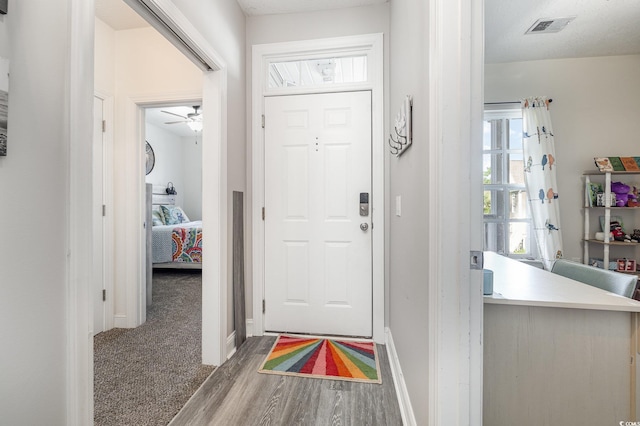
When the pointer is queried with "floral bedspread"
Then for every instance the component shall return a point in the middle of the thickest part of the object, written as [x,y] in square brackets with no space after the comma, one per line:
[187,245]
[177,243]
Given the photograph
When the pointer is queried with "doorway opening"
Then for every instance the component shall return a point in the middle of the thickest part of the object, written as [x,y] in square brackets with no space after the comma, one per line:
[128,112]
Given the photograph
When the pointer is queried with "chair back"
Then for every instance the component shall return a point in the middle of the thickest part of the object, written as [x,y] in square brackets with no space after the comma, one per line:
[614,282]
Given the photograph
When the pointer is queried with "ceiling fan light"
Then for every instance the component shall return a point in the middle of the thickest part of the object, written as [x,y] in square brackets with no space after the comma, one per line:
[196,126]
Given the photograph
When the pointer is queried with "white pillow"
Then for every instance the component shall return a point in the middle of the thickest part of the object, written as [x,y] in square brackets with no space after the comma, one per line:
[174,215]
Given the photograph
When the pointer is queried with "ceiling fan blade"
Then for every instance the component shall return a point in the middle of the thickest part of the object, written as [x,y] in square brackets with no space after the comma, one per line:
[175,122]
[173,113]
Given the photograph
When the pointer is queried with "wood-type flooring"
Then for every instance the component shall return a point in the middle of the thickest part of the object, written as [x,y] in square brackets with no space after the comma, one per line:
[237,395]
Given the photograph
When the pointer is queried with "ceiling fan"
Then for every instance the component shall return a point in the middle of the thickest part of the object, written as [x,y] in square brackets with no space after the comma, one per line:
[193,119]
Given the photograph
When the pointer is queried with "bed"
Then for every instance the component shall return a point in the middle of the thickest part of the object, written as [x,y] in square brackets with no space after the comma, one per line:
[176,240]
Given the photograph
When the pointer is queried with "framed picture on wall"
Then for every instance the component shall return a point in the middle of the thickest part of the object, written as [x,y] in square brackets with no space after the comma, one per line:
[4,104]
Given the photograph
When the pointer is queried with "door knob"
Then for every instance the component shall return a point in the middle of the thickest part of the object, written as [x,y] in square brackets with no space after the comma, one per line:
[364,226]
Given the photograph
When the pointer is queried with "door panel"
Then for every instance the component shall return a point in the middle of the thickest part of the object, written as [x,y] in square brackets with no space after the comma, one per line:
[318,275]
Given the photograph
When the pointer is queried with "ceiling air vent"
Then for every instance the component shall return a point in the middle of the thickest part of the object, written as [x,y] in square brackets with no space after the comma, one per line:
[549,25]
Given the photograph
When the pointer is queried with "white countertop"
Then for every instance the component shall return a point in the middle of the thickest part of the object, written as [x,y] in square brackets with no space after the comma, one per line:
[516,283]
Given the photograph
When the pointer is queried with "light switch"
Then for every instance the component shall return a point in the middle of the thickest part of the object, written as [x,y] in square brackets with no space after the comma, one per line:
[398,205]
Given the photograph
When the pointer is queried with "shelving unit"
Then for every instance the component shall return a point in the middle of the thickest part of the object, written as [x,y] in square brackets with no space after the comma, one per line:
[588,232]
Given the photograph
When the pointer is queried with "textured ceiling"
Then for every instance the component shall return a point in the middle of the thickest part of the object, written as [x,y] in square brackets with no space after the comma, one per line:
[601,28]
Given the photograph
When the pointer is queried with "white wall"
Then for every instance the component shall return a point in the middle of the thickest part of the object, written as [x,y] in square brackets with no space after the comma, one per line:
[169,160]
[178,160]
[222,23]
[192,175]
[263,29]
[408,245]
[104,58]
[34,210]
[308,26]
[595,112]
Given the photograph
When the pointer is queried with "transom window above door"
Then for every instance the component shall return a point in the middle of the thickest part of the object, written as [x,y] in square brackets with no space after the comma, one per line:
[317,72]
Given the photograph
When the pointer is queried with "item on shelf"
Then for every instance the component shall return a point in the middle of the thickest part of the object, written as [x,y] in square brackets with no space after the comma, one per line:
[617,164]
[600,199]
[616,230]
[631,164]
[603,163]
[611,220]
[594,188]
[599,263]
[600,236]
[612,234]
[621,190]
[625,265]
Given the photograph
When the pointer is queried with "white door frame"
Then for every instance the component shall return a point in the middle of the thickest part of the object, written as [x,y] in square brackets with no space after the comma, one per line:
[107,191]
[455,303]
[132,167]
[372,46]
[79,129]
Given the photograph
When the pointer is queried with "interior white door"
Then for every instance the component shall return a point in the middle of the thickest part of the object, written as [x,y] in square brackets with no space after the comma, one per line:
[98,218]
[318,246]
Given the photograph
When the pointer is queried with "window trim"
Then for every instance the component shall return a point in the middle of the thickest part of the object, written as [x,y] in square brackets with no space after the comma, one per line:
[501,112]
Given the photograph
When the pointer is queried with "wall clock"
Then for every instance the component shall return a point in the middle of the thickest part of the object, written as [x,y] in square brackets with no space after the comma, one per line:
[150,157]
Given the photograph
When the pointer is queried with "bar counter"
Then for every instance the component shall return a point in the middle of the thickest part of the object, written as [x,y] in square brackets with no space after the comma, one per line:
[556,351]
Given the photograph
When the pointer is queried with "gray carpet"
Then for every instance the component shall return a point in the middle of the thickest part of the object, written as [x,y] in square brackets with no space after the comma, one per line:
[143,376]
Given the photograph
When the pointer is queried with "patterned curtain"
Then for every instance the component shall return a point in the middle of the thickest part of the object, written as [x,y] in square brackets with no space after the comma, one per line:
[540,178]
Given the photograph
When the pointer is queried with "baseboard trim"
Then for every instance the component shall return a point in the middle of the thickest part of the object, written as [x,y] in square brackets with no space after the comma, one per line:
[120,321]
[406,411]
[249,329]
[231,339]
[231,344]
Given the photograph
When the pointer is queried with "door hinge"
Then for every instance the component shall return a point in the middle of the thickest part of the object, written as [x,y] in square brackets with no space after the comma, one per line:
[104,126]
[104,210]
[476,259]
[104,294]
[263,213]
[264,306]
[263,121]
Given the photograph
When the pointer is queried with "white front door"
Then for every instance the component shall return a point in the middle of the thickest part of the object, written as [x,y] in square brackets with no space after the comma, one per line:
[98,218]
[318,246]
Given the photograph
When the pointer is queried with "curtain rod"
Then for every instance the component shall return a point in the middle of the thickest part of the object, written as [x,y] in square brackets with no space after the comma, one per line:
[503,103]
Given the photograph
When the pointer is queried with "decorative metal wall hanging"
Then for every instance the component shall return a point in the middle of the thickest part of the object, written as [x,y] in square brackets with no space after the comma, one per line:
[402,135]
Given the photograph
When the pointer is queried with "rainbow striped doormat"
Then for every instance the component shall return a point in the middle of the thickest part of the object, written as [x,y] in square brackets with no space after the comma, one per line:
[323,358]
